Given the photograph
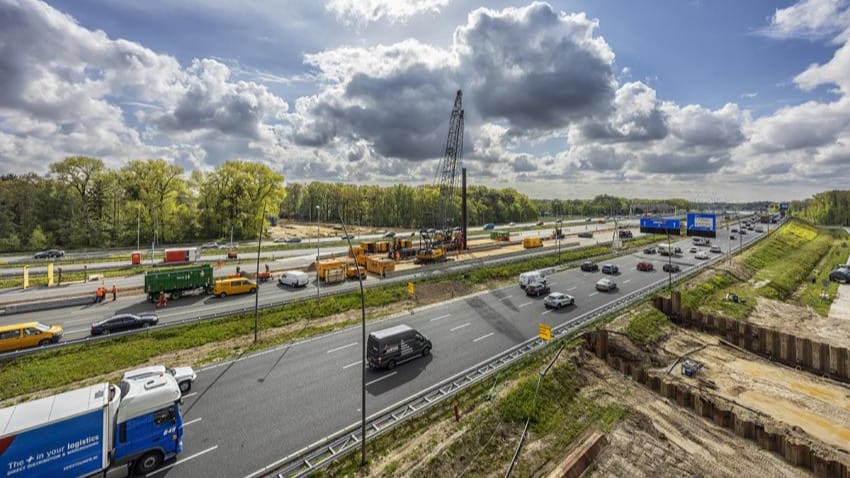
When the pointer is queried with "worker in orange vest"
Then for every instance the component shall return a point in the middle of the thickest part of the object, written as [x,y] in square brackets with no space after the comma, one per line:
[114,293]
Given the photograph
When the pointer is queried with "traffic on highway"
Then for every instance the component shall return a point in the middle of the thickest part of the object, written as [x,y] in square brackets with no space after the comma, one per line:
[312,387]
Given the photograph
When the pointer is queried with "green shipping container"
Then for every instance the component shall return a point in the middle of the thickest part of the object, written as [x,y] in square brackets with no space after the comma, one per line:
[175,282]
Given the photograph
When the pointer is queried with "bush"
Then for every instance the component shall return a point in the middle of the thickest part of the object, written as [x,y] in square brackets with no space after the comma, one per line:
[647,327]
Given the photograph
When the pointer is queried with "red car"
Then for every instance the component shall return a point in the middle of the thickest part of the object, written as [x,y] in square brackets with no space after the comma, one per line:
[645,266]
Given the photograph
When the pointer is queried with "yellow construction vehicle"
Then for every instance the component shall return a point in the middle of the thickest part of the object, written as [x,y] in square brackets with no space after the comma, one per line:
[431,255]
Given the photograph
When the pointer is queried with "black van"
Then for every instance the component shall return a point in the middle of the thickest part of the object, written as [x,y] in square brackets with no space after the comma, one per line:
[389,347]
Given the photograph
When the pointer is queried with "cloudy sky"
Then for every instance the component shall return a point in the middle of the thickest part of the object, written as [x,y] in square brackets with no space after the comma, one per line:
[708,100]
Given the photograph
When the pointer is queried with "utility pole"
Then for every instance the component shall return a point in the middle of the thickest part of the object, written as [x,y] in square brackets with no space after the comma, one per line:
[138,227]
[558,233]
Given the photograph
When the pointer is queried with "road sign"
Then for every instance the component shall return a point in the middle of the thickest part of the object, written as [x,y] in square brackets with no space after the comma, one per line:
[410,288]
[26,277]
[50,275]
[545,332]
[654,225]
[702,224]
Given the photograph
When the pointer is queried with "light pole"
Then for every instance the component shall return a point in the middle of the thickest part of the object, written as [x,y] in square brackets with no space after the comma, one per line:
[558,233]
[318,253]
[362,349]
[257,277]
[669,265]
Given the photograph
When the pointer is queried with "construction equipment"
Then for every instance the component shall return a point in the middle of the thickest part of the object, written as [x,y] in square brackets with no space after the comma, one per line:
[690,367]
[532,242]
[500,236]
[444,237]
[558,233]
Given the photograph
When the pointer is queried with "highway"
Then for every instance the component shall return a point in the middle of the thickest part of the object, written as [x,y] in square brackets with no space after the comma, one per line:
[244,415]
[76,320]
[299,260]
[299,255]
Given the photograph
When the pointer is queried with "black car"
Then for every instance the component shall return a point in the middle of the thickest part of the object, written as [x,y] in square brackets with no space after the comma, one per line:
[649,250]
[840,275]
[537,289]
[121,322]
[346,237]
[585,235]
[390,234]
[670,267]
[589,266]
[743,232]
[48,254]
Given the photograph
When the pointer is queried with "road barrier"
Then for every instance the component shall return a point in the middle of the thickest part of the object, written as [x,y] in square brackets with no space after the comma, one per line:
[322,452]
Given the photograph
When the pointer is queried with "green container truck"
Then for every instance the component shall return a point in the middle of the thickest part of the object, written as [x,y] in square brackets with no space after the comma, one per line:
[176,282]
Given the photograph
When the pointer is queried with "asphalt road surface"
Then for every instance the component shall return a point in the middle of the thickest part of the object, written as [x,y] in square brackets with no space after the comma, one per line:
[299,256]
[241,416]
[77,320]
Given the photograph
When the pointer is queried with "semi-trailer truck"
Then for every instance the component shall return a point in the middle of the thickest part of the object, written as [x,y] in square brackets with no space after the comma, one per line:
[176,282]
[135,424]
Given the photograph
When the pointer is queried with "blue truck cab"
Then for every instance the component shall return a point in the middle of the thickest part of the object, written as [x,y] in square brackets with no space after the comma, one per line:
[89,430]
[148,424]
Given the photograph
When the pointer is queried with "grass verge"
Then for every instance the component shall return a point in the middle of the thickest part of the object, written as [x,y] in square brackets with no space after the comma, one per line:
[775,269]
[647,327]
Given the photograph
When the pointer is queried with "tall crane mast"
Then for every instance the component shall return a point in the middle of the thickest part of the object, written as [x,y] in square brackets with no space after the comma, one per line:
[448,168]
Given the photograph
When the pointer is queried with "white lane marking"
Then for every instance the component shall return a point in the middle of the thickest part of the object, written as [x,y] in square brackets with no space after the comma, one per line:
[483,337]
[459,327]
[182,460]
[595,293]
[381,378]
[506,297]
[74,331]
[627,281]
[546,311]
[523,305]
[352,364]
[341,348]
[572,289]
[187,395]
[440,317]
[553,284]
[185,424]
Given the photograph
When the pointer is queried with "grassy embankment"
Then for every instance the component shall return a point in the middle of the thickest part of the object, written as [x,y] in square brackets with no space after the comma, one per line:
[484,440]
[773,269]
[73,363]
[647,326]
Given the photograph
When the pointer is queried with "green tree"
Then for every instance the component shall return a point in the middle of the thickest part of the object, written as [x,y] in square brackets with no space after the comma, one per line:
[37,239]
[79,173]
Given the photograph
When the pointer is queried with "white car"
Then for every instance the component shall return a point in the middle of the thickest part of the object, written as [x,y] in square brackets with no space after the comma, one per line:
[694,250]
[701,255]
[716,250]
[557,300]
[605,285]
[294,279]
[184,375]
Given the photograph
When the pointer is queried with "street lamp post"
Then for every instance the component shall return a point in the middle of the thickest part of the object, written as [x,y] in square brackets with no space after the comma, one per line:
[257,277]
[669,265]
[318,253]
[362,349]
[558,233]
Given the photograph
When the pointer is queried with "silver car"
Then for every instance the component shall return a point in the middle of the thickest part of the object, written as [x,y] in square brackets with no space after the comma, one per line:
[184,375]
[556,300]
[605,285]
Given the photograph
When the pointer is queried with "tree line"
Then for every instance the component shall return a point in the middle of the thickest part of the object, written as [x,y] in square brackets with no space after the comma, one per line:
[81,203]
[830,208]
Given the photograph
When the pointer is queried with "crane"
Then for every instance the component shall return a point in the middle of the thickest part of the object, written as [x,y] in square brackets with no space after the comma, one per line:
[446,182]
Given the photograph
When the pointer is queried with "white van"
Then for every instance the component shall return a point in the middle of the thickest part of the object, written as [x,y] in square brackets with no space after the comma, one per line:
[294,279]
[531,277]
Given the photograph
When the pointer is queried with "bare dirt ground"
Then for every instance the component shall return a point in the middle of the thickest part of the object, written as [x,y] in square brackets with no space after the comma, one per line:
[801,321]
[660,439]
[302,230]
[818,407]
